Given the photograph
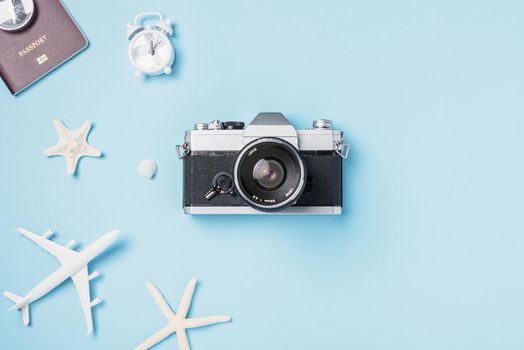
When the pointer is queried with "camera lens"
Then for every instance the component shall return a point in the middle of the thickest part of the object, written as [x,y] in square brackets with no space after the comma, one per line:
[269,174]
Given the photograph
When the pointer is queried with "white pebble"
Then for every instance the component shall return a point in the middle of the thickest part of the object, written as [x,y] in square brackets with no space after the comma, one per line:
[147,168]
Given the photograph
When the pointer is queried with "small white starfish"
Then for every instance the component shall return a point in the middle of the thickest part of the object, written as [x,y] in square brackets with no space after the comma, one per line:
[178,323]
[72,145]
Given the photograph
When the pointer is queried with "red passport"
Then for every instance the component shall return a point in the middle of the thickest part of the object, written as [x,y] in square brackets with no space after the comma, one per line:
[29,54]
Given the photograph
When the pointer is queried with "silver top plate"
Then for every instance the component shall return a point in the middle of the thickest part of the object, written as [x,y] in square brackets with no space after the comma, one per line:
[321,138]
[233,140]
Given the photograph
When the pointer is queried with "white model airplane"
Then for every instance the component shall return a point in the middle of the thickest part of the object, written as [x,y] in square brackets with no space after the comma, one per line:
[178,323]
[74,266]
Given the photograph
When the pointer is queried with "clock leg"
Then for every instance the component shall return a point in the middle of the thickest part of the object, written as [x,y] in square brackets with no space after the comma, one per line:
[138,74]
[167,70]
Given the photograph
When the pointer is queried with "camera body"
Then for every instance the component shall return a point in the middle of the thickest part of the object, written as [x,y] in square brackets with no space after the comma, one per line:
[268,167]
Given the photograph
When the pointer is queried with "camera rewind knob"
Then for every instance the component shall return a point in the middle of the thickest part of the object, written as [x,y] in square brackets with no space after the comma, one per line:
[200,126]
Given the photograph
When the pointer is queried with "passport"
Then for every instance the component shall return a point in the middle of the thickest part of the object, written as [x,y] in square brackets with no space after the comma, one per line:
[51,39]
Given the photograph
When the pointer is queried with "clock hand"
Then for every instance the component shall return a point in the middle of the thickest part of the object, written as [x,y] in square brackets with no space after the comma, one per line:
[151,48]
[158,43]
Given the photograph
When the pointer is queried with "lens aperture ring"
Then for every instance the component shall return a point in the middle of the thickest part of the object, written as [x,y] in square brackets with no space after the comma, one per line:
[269,174]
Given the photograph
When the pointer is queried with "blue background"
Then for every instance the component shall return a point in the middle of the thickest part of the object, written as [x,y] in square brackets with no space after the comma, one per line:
[429,251]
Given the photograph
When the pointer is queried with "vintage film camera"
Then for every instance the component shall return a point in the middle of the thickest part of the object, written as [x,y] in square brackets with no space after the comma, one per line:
[267,168]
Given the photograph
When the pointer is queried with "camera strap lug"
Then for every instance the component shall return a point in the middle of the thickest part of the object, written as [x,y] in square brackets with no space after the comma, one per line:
[342,149]
[183,150]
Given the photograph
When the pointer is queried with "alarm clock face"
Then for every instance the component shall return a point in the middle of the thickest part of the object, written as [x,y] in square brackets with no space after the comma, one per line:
[15,14]
[151,52]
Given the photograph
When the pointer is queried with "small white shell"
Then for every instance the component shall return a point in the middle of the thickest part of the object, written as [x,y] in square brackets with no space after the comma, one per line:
[147,168]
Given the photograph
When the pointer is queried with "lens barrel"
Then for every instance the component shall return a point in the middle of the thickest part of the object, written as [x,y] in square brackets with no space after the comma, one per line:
[269,174]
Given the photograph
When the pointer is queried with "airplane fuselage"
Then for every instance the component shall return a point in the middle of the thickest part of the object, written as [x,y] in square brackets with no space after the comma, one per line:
[73,265]
[66,271]
[51,282]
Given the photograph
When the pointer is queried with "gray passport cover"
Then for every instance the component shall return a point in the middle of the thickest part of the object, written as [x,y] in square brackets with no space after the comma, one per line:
[51,39]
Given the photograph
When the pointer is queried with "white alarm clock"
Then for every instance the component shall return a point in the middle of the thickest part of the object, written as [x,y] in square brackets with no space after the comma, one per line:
[150,49]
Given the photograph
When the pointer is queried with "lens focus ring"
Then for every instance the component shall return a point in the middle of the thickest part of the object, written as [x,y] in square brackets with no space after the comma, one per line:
[269,174]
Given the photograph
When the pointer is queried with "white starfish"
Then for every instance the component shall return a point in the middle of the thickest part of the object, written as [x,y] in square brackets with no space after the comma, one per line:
[178,323]
[72,145]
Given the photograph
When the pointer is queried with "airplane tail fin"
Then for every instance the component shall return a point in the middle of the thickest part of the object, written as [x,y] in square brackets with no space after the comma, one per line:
[18,300]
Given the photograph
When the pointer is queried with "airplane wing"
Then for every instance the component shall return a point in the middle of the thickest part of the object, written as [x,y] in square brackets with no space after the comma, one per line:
[61,253]
[81,281]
